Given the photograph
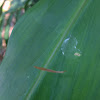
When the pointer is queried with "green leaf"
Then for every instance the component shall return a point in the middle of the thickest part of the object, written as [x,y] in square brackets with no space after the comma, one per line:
[59,35]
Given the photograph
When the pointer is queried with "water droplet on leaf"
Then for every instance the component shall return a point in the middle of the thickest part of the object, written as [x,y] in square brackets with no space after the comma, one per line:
[28,76]
[69,47]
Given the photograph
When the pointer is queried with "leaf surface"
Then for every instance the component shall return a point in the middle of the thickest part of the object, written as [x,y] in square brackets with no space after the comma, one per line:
[58,35]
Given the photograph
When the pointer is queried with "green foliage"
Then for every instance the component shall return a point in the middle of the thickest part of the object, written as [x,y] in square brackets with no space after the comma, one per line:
[59,35]
[16,7]
[18,4]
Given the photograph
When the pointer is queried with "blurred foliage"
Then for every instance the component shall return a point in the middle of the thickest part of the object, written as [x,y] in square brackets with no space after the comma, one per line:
[10,12]
[14,7]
